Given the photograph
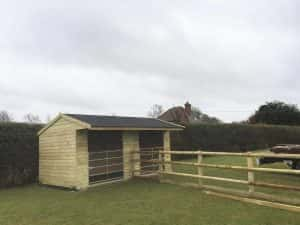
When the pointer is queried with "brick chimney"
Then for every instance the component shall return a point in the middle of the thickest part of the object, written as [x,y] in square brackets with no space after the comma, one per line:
[188,109]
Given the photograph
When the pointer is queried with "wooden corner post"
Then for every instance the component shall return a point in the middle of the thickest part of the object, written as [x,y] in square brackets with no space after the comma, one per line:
[167,147]
[251,179]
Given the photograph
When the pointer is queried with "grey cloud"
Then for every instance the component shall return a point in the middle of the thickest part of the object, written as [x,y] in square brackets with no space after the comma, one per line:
[218,54]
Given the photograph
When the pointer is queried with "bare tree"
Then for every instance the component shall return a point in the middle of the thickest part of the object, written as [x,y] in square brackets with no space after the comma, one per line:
[48,118]
[5,116]
[31,118]
[155,111]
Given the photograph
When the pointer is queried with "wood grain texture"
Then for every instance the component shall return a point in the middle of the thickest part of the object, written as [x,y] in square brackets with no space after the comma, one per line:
[57,154]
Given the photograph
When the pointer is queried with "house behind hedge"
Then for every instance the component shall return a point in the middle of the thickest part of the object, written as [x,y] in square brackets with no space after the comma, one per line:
[76,151]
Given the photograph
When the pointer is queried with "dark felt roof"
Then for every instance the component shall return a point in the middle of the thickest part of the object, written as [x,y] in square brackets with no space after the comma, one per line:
[124,122]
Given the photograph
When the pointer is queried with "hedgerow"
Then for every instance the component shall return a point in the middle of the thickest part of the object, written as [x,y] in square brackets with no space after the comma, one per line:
[18,153]
[234,137]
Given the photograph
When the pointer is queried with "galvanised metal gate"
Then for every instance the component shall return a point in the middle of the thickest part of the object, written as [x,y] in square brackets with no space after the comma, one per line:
[148,156]
[105,166]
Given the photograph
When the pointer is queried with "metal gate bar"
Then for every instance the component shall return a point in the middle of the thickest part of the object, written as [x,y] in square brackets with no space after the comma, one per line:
[105,166]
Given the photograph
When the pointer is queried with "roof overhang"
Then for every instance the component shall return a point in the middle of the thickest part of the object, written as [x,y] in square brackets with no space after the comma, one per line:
[134,129]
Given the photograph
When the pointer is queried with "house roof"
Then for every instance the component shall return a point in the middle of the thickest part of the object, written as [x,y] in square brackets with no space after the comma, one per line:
[176,115]
[99,121]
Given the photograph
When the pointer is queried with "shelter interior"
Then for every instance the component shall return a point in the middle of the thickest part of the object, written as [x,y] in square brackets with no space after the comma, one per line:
[106,160]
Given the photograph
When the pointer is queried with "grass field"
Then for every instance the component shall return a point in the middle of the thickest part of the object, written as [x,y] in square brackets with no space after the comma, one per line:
[137,202]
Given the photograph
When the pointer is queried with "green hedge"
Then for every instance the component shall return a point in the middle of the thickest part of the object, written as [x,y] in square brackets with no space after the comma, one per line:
[18,153]
[234,137]
[19,144]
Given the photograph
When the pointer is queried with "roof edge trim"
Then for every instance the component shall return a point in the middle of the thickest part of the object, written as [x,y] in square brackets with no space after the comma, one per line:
[59,116]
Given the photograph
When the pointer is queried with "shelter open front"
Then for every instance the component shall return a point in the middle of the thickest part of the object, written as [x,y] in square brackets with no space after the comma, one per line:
[105,156]
[76,150]
[150,143]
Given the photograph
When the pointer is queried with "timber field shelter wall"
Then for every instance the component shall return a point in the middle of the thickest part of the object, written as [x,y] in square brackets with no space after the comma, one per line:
[68,151]
[58,154]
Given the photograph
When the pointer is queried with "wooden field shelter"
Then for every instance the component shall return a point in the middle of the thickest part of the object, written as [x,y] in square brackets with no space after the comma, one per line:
[77,151]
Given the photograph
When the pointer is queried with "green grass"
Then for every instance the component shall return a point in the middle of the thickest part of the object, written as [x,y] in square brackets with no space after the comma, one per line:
[139,202]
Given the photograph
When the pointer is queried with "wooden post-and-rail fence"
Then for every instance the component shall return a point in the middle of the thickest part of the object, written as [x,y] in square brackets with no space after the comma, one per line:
[251,196]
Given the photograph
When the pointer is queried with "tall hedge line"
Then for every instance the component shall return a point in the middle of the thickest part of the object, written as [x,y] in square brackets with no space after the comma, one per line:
[234,137]
[19,144]
[18,153]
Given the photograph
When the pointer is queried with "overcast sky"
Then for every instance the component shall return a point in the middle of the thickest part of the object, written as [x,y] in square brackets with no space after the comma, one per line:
[121,57]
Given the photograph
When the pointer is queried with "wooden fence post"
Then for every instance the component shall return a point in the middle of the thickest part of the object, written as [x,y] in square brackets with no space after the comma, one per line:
[252,195]
[200,169]
[250,164]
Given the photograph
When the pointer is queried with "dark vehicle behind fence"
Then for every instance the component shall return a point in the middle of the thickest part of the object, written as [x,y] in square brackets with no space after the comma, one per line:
[283,149]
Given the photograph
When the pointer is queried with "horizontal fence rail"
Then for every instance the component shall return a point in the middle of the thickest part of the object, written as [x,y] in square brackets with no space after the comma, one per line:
[269,170]
[255,155]
[162,161]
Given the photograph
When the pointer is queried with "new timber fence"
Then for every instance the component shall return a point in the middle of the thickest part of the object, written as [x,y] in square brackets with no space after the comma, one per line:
[163,168]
